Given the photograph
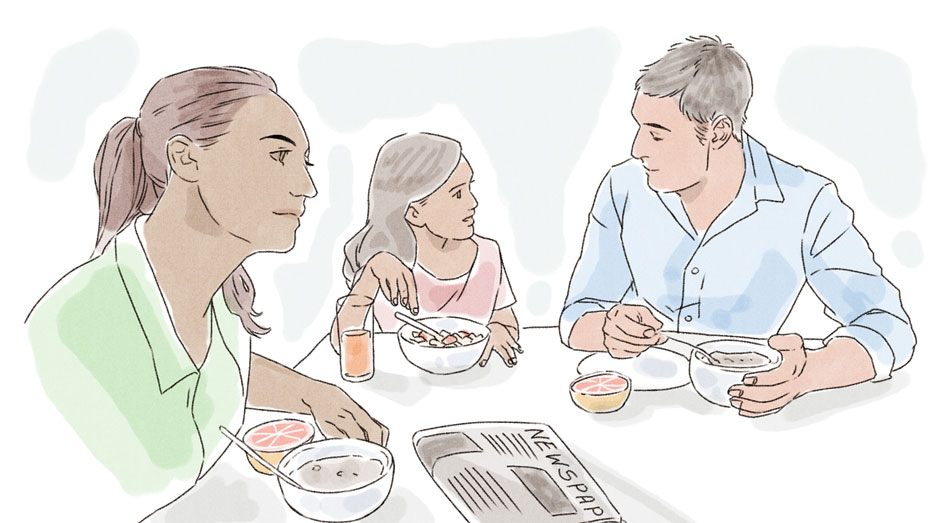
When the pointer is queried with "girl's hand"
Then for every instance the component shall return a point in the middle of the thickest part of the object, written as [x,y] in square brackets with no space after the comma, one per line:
[501,341]
[394,279]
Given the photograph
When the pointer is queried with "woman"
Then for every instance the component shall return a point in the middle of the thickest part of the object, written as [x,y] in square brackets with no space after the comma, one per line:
[145,348]
[422,215]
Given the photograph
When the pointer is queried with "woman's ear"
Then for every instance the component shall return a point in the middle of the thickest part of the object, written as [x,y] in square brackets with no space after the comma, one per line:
[721,132]
[181,152]
[414,216]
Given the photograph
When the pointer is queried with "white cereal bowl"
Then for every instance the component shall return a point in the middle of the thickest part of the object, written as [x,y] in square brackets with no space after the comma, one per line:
[448,360]
[713,382]
[339,506]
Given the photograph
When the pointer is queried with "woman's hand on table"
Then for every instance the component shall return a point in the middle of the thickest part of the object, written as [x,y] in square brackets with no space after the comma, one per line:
[394,280]
[338,416]
[630,330]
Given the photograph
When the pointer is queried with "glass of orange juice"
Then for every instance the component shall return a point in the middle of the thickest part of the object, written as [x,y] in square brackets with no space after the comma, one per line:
[355,319]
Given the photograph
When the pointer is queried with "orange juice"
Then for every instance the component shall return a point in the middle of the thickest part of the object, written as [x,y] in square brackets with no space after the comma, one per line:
[356,355]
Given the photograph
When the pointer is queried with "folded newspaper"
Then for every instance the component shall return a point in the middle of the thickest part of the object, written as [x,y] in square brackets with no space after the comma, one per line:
[511,472]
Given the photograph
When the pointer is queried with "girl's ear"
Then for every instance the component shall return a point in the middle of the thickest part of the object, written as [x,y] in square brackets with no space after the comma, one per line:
[414,216]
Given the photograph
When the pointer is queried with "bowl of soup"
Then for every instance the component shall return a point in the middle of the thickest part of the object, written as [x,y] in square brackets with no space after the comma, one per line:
[727,364]
[459,347]
[342,479]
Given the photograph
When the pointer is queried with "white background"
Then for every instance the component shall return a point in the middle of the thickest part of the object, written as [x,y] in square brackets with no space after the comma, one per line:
[50,227]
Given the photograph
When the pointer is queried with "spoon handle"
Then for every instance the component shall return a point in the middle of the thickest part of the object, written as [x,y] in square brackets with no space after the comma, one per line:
[418,324]
[250,452]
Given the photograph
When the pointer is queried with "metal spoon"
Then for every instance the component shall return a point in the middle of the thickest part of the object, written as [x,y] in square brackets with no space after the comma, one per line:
[250,452]
[419,325]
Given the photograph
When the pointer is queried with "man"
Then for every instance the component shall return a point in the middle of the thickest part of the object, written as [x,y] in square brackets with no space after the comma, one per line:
[709,230]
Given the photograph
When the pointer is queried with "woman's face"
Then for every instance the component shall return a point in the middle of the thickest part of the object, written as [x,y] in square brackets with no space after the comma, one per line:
[449,212]
[254,180]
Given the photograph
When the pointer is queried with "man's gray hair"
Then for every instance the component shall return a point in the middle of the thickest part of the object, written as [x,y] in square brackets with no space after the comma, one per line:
[710,78]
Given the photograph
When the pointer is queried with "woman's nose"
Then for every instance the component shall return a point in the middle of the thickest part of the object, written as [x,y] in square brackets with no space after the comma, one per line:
[304,186]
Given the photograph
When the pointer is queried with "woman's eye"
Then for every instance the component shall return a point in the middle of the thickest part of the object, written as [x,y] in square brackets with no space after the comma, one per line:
[279,156]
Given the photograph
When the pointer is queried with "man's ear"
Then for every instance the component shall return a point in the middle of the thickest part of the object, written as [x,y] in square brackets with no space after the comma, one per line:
[414,216]
[181,153]
[720,132]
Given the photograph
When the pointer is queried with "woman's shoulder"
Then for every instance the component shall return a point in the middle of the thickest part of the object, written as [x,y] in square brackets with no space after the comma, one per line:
[72,311]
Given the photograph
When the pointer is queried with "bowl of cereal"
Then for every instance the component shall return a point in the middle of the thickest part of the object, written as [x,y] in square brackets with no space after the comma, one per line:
[461,345]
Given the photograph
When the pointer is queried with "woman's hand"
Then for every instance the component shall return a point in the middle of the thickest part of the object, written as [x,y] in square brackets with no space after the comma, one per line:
[338,416]
[394,279]
[276,387]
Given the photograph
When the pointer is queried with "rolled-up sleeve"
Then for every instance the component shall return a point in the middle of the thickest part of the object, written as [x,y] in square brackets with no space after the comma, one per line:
[840,268]
[601,277]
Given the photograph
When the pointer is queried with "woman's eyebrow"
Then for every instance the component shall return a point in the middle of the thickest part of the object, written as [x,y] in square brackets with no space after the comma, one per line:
[280,137]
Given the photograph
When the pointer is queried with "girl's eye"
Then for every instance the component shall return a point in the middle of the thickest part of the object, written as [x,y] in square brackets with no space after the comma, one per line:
[280,155]
[458,195]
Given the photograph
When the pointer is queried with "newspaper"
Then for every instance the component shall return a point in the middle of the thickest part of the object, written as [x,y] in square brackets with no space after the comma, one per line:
[511,472]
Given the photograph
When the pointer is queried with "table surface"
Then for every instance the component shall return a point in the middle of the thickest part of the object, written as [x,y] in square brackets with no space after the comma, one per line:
[665,456]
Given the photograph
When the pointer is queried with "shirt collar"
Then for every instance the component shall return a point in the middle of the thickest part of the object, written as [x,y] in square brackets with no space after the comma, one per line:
[758,184]
[171,361]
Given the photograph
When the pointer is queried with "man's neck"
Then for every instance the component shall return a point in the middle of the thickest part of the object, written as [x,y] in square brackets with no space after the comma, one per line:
[705,200]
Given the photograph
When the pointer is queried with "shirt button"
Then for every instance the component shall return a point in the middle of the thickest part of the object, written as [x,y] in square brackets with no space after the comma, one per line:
[688,318]
[695,270]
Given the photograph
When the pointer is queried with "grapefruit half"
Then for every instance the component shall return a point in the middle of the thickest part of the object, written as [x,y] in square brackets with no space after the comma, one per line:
[604,391]
[274,439]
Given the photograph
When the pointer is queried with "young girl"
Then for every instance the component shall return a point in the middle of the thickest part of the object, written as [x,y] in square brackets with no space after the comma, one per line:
[419,249]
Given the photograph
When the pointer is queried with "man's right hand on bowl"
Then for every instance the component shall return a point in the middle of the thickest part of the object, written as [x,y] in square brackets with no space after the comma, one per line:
[630,330]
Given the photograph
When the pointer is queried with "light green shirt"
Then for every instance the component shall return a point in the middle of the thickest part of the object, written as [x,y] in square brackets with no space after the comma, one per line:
[110,361]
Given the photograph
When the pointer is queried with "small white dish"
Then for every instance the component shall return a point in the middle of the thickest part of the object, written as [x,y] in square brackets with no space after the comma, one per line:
[654,369]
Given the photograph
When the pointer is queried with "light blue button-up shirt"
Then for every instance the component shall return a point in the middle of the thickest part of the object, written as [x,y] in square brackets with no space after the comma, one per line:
[786,228]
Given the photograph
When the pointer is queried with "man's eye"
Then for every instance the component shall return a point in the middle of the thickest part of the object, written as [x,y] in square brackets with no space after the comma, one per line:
[656,138]
[279,156]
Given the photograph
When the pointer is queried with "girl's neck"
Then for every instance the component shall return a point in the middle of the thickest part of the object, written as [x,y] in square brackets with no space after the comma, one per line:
[443,257]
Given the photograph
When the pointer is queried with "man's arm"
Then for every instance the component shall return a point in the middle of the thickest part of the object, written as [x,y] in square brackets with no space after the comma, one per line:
[840,268]
[600,280]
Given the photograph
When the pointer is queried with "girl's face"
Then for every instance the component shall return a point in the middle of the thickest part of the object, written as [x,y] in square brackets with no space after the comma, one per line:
[254,180]
[449,212]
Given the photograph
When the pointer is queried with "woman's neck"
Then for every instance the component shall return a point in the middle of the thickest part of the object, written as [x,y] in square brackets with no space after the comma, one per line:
[191,256]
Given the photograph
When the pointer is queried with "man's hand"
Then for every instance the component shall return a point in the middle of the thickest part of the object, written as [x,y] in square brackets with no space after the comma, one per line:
[338,416]
[395,280]
[767,392]
[630,330]
[503,342]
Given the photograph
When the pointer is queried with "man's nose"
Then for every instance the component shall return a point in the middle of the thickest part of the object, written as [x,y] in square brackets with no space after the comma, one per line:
[635,149]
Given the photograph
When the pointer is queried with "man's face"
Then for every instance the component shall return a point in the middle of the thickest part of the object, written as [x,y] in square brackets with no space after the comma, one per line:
[667,144]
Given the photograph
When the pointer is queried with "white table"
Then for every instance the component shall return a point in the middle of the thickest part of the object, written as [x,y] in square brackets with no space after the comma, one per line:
[656,458]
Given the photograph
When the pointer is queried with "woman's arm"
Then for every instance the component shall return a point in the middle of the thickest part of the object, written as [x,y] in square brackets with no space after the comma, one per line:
[274,386]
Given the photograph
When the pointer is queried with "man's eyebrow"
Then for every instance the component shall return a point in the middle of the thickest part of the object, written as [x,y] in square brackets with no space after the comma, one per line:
[656,125]
[280,137]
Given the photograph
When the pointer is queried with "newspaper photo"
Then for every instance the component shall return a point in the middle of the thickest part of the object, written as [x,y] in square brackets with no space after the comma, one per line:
[511,472]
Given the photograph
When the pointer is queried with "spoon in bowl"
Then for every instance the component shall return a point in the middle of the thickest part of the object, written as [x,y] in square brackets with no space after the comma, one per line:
[250,452]
[419,325]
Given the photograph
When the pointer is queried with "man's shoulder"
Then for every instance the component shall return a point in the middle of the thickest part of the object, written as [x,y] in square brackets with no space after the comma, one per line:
[795,181]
